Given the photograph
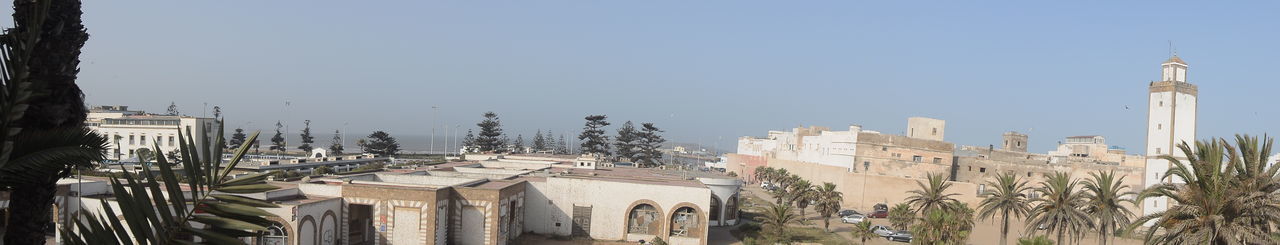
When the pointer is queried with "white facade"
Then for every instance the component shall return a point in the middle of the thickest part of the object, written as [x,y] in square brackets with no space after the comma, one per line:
[1171,121]
[813,144]
[127,133]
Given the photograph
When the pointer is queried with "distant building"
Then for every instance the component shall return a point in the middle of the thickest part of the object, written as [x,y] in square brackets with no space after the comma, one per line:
[127,131]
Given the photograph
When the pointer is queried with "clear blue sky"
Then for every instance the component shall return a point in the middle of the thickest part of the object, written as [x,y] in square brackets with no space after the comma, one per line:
[706,71]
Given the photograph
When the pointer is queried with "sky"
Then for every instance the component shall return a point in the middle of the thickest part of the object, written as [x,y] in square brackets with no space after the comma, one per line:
[705,71]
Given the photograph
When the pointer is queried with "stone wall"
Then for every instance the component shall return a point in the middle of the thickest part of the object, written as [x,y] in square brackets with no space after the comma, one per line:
[861,191]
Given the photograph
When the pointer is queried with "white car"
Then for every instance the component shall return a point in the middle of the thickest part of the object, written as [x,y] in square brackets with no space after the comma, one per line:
[853,219]
[882,231]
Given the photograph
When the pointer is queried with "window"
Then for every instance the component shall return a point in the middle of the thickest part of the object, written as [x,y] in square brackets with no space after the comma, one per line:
[982,188]
[1157,150]
[131,139]
[1028,174]
[1161,103]
[1159,126]
[171,140]
[970,168]
[935,131]
[884,148]
[1019,143]
[937,160]
[143,140]
[982,170]
[916,158]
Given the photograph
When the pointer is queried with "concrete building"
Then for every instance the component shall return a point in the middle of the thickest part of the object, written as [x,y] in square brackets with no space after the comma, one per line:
[1171,121]
[926,128]
[1094,148]
[491,199]
[127,131]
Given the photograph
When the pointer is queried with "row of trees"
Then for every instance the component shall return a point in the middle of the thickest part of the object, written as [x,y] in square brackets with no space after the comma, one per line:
[794,193]
[378,142]
[640,145]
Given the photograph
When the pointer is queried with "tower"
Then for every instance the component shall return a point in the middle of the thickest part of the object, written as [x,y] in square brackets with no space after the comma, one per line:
[1171,120]
[1014,141]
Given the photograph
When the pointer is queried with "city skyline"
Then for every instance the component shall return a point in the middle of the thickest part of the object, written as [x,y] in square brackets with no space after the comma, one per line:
[705,72]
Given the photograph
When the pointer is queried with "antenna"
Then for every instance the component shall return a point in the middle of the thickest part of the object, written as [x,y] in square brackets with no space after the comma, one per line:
[1171,48]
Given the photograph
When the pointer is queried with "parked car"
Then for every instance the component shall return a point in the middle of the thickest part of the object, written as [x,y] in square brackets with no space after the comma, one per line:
[853,219]
[881,211]
[846,212]
[900,236]
[882,231]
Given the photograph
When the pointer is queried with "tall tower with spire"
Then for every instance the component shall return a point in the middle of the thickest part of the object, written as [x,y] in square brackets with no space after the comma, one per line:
[1171,120]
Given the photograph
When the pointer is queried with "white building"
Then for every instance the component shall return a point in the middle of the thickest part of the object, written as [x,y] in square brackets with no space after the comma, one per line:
[1171,121]
[127,131]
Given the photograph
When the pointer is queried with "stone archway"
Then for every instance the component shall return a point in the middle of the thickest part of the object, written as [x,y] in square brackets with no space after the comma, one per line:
[731,209]
[715,210]
[687,224]
[644,221]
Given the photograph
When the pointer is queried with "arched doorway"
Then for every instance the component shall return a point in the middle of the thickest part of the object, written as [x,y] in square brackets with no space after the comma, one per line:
[715,210]
[644,219]
[731,209]
[685,223]
[276,235]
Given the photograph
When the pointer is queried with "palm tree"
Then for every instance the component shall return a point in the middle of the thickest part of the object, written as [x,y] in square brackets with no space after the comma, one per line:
[221,203]
[1105,202]
[932,196]
[775,220]
[862,231]
[948,225]
[801,194]
[763,174]
[901,216]
[1006,199]
[1059,208]
[44,138]
[828,203]
[1228,197]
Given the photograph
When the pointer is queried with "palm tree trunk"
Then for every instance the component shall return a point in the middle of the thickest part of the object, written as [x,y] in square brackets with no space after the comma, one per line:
[31,205]
[60,103]
[1004,228]
[826,223]
[1102,235]
[1060,234]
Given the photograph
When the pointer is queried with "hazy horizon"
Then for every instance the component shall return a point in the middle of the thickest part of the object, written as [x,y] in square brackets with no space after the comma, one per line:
[707,71]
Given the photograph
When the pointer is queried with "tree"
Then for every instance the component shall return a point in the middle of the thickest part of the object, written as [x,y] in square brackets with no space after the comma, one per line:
[257,147]
[490,139]
[931,197]
[43,112]
[519,144]
[649,150]
[862,231]
[1229,195]
[504,145]
[173,109]
[380,143]
[173,156]
[144,155]
[775,220]
[901,216]
[322,170]
[627,142]
[469,142]
[1059,208]
[217,112]
[950,224]
[306,137]
[335,146]
[238,138]
[1007,200]
[593,139]
[166,219]
[277,141]
[828,203]
[562,146]
[1105,202]
[539,142]
[800,194]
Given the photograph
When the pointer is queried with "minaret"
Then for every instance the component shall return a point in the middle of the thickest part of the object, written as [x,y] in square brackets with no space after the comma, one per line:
[1171,120]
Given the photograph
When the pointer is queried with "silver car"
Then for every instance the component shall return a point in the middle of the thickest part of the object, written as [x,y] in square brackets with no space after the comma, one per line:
[882,231]
[853,219]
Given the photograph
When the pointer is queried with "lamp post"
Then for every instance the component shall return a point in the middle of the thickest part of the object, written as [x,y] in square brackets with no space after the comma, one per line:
[434,112]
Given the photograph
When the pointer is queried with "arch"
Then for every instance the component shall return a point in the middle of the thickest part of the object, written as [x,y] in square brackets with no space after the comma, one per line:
[731,208]
[715,208]
[307,230]
[328,228]
[686,220]
[654,227]
[280,235]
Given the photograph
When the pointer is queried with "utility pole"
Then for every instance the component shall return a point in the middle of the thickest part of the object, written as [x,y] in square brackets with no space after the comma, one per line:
[455,138]
[434,110]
